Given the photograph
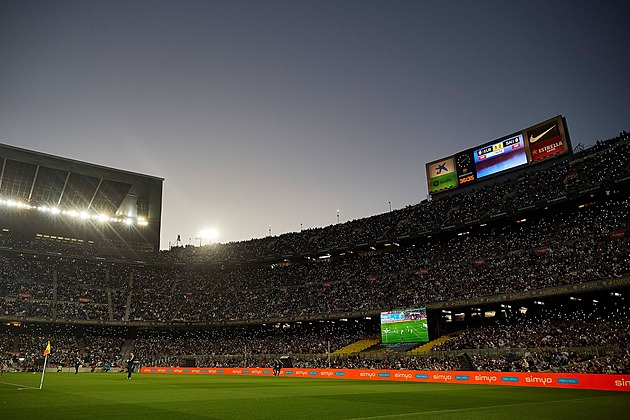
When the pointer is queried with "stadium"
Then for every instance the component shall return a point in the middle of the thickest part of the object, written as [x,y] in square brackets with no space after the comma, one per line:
[512,273]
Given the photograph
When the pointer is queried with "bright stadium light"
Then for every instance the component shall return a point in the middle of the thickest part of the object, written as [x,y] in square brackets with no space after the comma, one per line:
[209,234]
[75,214]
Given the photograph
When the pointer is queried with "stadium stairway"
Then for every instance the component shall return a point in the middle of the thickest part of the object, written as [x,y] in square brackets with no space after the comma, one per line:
[127,347]
[356,347]
[390,348]
[426,348]
[16,345]
[81,347]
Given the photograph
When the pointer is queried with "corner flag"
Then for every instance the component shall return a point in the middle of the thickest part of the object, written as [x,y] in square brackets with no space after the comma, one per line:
[46,353]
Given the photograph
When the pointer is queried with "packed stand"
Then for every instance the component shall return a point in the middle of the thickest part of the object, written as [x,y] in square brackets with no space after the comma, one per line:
[559,249]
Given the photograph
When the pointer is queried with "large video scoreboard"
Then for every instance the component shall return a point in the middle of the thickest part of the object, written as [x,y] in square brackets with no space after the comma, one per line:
[404,326]
[532,145]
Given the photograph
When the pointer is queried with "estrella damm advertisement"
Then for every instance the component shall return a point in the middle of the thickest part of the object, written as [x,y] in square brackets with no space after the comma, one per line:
[546,140]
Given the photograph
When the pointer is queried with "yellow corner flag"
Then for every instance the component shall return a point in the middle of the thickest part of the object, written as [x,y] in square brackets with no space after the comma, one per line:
[46,353]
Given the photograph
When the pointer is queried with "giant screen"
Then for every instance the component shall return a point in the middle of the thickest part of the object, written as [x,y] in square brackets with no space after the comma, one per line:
[404,326]
[526,147]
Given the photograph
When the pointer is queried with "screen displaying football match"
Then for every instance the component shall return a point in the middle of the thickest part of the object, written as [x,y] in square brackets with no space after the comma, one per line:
[500,156]
[404,326]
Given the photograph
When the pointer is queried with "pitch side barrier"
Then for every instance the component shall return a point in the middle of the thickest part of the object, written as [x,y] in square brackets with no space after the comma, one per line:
[603,382]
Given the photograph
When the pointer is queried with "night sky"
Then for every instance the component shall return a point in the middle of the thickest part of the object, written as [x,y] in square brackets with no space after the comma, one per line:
[280,113]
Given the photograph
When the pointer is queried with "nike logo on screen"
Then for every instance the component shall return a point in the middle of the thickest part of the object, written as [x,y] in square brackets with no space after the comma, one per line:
[533,139]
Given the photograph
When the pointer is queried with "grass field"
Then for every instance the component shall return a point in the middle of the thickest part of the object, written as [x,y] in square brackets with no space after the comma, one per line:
[152,396]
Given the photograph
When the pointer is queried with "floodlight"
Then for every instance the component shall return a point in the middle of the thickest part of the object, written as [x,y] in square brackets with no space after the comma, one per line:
[208,234]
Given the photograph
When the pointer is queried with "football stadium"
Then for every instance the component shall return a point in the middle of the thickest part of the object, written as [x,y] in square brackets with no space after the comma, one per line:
[501,294]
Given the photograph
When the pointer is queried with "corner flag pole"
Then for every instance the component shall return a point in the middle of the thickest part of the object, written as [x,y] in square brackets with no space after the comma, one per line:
[41,383]
[46,353]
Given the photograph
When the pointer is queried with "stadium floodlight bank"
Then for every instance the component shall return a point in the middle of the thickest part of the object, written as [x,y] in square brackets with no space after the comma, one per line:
[46,198]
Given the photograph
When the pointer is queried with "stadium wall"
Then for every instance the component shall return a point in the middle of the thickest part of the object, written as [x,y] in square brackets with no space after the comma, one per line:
[602,382]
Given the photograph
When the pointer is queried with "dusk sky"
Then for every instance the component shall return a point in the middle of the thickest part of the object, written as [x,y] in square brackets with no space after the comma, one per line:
[280,113]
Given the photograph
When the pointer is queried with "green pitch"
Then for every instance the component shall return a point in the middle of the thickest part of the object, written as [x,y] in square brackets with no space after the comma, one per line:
[152,396]
[405,332]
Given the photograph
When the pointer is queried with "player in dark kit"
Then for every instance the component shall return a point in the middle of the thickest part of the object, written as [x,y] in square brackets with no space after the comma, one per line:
[131,361]
[277,368]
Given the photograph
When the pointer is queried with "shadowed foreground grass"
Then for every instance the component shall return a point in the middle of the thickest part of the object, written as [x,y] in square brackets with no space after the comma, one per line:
[110,395]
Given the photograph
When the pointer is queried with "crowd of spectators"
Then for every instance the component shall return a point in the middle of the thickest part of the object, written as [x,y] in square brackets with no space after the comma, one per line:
[64,352]
[558,249]
[593,340]
[549,328]
[103,350]
[169,348]
[91,348]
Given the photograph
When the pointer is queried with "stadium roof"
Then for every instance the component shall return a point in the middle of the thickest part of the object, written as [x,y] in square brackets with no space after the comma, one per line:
[57,185]
[61,182]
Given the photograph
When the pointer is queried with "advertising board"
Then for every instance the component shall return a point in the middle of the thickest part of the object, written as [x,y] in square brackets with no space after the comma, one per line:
[603,382]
